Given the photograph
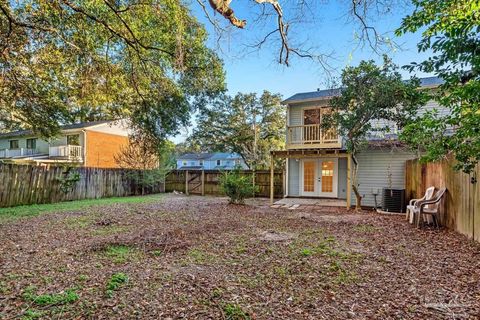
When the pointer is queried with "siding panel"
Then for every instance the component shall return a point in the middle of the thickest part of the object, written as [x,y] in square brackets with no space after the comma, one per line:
[293,177]
[380,169]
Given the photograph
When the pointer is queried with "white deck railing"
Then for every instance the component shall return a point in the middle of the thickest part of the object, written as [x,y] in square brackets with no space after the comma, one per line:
[21,152]
[312,135]
[66,152]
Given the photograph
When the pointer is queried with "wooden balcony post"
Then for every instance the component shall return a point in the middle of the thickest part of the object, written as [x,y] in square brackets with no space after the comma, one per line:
[186,182]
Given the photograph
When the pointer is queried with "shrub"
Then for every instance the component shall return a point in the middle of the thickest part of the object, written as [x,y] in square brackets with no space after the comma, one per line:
[236,186]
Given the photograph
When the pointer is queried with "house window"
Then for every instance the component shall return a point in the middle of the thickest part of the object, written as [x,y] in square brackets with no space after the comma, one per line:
[32,143]
[73,140]
[184,163]
[201,162]
[237,162]
[219,162]
[14,144]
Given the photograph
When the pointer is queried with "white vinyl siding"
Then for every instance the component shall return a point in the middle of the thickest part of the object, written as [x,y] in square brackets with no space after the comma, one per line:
[380,169]
[293,177]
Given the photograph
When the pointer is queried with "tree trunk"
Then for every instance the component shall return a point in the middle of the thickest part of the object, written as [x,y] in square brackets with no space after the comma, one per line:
[358,196]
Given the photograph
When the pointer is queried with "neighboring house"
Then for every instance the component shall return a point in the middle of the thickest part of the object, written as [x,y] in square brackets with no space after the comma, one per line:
[210,161]
[317,162]
[89,144]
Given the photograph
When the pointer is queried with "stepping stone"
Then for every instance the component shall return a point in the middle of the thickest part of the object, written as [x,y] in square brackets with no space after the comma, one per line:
[295,206]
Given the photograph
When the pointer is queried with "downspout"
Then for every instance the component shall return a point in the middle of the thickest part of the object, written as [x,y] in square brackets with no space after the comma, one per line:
[84,147]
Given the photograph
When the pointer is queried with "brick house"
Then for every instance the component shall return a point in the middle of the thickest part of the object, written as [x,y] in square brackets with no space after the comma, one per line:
[88,144]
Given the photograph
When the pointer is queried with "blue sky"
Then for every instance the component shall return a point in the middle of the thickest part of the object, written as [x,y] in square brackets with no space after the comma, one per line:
[331,32]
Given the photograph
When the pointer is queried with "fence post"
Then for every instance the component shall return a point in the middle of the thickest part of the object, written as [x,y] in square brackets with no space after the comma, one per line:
[203,182]
[272,186]
[186,182]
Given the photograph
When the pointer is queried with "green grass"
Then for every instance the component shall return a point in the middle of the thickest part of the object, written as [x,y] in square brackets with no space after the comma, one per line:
[120,253]
[235,312]
[37,209]
[66,297]
[116,281]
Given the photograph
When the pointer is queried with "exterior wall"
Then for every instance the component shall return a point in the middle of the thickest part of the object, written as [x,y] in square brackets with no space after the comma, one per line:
[294,175]
[380,169]
[293,178]
[119,128]
[295,116]
[342,178]
[42,145]
[102,147]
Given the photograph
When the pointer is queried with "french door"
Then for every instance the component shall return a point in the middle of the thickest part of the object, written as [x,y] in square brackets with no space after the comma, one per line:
[319,177]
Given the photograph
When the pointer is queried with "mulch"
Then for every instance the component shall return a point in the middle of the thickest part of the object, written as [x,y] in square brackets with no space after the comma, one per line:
[201,258]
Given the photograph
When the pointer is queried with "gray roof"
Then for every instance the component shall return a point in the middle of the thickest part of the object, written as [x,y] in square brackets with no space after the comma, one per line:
[195,156]
[209,156]
[80,125]
[320,94]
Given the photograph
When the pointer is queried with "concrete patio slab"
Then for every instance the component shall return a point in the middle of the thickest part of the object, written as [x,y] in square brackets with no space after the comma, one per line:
[298,203]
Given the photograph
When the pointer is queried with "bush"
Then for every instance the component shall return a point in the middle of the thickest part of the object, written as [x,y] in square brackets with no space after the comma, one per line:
[236,186]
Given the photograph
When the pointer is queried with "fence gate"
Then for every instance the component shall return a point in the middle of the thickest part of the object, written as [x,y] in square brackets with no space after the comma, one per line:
[194,182]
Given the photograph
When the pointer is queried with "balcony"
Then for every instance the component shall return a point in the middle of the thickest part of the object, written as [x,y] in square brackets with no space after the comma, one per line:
[312,136]
[68,152]
[16,153]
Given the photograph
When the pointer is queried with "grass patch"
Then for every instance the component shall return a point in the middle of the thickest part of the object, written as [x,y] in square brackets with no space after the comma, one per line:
[235,312]
[66,297]
[37,209]
[109,230]
[365,228]
[119,253]
[81,222]
[115,282]
[30,314]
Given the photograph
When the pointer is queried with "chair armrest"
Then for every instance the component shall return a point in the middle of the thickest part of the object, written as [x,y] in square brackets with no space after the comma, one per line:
[414,201]
[423,203]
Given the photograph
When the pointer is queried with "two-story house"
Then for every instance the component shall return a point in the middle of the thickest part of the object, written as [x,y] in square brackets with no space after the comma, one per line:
[210,161]
[317,163]
[88,144]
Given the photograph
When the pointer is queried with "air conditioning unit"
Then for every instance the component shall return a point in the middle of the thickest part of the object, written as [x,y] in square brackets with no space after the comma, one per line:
[393,200]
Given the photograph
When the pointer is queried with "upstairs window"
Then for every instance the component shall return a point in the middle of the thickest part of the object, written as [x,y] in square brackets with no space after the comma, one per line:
[184,163]
[73,140]
[201,162]
[219,162]
[14,144]
[32,143]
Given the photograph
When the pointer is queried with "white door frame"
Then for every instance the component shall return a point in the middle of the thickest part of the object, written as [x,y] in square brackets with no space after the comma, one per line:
[318,185]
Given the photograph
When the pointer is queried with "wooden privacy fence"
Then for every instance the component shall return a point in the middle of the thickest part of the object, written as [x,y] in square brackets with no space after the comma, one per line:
[460,209]
[25,184]
[208,182]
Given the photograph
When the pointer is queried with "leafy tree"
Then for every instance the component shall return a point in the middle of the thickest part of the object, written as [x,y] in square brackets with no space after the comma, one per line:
[450,29]
[370,93]
[246,124]
[63,61]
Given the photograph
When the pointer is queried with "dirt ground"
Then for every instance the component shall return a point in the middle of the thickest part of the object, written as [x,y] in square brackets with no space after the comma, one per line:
[201,258]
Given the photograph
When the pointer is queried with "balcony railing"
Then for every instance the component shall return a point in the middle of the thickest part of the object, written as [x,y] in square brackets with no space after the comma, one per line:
[13,153]
[74,153]
[312,136]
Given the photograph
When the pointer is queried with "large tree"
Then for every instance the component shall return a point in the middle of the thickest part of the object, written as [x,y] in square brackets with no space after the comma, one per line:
[451,30]
[247,124]
[63,61]
[371,94]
